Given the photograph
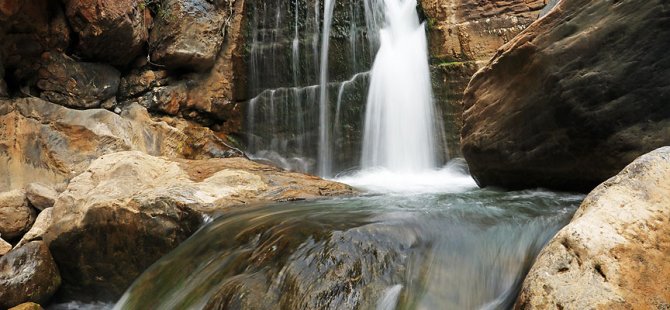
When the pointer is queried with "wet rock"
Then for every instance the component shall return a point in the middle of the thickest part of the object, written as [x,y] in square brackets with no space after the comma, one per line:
[28,274]
[36,232]
[48,143]
[573,99]
[41,196]
[187,34]
[4,247]
[613,254]
[111,31]
[27,306]
[16,216]
[140,207]
[75,84]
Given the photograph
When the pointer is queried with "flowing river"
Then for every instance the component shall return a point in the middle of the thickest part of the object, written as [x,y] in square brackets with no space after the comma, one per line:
[451,246]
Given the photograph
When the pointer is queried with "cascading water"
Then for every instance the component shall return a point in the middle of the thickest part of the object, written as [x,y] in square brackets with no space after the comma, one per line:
[399,122]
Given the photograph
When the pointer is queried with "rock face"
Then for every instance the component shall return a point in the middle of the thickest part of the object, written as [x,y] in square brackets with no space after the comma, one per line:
[136,208]
[48,143]
[573,99]
[76,84]
[27,274]
[16,216]
[463,35]
[187,34]
[112,31]
[613,255]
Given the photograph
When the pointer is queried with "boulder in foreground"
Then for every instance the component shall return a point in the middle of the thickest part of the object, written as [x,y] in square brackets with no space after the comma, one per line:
[614,253]
[573,99]
[128,209]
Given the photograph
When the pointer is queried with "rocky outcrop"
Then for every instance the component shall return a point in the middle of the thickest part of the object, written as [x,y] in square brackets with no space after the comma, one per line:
[48,143]
[41,196]
[75,84]
[135,208]
[111,31]
[613,255]
[16,216]
[573,99]
[28,274]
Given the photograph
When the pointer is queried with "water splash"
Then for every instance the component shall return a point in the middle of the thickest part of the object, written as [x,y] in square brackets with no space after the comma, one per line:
[399,126]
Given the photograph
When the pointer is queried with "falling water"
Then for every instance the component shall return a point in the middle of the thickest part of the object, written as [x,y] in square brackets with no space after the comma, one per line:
[324,127]
[399,127]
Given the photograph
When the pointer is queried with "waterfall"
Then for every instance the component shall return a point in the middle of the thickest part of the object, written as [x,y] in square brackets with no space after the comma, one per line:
[399,120]
[324,126]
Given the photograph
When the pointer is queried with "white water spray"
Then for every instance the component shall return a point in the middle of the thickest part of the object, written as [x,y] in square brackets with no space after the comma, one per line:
[399,126]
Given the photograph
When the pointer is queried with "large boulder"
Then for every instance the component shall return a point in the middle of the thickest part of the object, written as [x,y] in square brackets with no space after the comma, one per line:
[614,253]
[28,274]
[41,196]
[111,31]
[36,232]
[48,143]
[16,216]
[75,84]
[187,34]
[573,99]
[128,209]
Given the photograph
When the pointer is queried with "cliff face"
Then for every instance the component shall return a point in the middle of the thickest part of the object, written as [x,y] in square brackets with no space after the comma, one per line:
[179,58]
[463,36]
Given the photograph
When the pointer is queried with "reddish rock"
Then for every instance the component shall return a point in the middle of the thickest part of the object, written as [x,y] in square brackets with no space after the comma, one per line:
[111,31]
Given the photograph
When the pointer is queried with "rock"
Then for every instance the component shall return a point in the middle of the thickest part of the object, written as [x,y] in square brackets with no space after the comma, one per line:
[614,253]
[28,274]
[128,209]
[111,31]
[75,84]
[48,143]
[187,34]
[573,99]
[41,196]
[139,82]
[27,306]
[16,216]
[5,247]
[36,232]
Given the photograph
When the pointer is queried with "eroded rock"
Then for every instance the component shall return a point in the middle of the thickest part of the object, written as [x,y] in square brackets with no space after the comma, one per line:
[16,216]
[28,274]
[128,209]
[36,232]
[48,143]
[573,99]
[75,84]
[111,31]
[41,196]
[614,253]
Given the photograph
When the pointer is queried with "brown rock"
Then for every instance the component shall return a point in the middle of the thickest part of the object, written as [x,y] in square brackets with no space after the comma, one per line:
[128,209]
[111,31]
[16,216]
[573,99]
[139,82]
[75,84]
[36,232]
[27,306]
[614,253]
[41,196]
[5,247]
[48,143]
[28,274]
[187,34]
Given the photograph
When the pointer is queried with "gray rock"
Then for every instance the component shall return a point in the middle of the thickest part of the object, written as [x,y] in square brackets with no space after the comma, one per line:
[614,252]
[187,34]
[16,216]
[75,84]
[28,274]
[41,196]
